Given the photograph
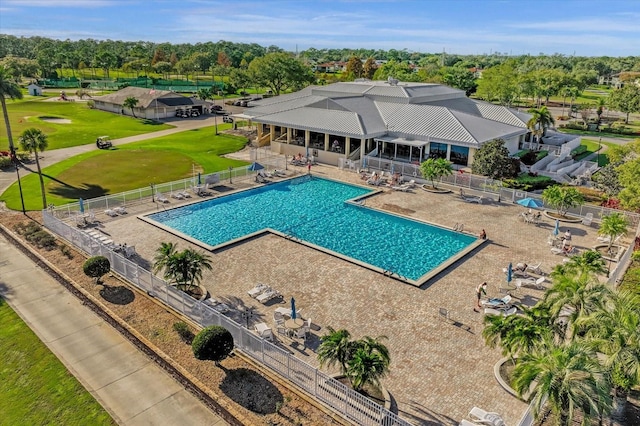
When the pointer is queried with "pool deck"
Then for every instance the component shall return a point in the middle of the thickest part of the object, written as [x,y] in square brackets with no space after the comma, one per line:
[439,369]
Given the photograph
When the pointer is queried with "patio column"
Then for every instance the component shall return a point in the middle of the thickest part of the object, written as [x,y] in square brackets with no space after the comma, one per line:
[448,152]
[347,146]
[472,153]
[272,132]
[307,136]
[363,146]
[259,128]
[326,141]
[288,135]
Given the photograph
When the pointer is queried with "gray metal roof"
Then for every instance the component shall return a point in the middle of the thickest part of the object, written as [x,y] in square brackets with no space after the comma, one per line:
[146,97]
[366,109]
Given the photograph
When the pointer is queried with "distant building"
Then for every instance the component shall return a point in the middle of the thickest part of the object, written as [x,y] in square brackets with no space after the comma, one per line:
[34,89]
[477,72]
[403,122]
[612,80]
[152,104]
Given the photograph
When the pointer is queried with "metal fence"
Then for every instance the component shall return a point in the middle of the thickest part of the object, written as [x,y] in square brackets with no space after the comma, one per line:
[342,399]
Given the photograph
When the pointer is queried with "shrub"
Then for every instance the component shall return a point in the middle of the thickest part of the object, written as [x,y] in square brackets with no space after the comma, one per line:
[529,158]
[5,162]
[183,331]
[27,229]
[96,267]
[42,239]
[214,343]
[91,104]
[66,251]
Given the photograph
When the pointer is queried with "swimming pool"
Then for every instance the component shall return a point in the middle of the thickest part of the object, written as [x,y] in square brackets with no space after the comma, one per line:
[315,211]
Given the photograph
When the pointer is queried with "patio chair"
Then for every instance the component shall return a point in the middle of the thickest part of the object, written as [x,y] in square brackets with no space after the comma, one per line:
[498,303]
[279,173]
[535,268]
[264,331]
[401,188]
[486,417]
[111,213]
[267,296]
[120,210]
[307,327]
[161,198]
[257,290]
[587,219]
[531,282]
[504,312]
[129,251]
[185,194]
[177,195]
[470,199]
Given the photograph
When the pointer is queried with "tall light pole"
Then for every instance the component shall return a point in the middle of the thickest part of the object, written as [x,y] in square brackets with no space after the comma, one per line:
[599,148]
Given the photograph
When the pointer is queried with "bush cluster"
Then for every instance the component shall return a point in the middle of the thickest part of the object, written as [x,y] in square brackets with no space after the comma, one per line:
[66,251]
[214,343]
[528,182]
[5,162]
[36,235]
[96,267]
[183,331]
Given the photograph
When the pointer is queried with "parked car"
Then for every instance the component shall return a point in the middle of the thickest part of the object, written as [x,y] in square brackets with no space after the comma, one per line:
[244,103]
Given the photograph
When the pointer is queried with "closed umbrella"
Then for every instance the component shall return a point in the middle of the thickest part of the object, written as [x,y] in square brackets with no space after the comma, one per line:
[530,203]
[199,179]
[510,272]
[293,308]
[81,205]
[556,230]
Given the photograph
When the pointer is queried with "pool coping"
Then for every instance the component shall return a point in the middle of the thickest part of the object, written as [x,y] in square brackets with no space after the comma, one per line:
[358,202]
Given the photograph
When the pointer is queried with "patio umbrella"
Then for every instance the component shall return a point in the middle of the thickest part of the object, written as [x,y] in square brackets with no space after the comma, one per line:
[509,272]
[307,152]
[556,230]
[530,202]
[81,204]
[199,179]
[293,308]
[254,167]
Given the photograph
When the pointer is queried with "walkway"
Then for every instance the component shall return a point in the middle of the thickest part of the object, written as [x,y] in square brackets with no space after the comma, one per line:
[107,364]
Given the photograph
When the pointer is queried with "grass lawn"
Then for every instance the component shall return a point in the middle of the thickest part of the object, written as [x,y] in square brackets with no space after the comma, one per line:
[127,167]
[592,146]
[35,387]
[86,124]
[596,134]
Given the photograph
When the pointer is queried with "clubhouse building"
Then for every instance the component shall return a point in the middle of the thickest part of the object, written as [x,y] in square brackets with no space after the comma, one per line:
[152,104]
[392,120]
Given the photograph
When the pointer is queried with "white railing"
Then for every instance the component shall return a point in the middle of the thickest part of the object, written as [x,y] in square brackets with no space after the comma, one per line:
[342,399]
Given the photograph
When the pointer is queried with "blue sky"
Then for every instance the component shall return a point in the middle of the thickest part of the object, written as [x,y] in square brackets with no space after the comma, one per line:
[581,27]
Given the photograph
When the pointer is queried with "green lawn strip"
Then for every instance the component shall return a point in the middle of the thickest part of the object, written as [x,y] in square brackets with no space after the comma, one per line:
[596,134]
[35,387]
[86,123]
[128,167]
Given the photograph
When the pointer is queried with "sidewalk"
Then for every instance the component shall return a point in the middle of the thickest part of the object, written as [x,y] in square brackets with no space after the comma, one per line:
[131,387]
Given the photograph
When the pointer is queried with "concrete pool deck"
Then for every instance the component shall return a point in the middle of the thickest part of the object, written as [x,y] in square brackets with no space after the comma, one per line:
[439,369]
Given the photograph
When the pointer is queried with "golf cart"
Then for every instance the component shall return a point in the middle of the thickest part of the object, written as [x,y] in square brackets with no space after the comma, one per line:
[103,142]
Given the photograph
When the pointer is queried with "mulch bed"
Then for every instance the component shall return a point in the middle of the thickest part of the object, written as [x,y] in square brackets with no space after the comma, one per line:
[237,386]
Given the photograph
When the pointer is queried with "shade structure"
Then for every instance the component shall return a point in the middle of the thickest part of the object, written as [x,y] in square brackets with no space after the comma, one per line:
[254,167]
[530,202]
[510,272]
[293,308]
[556,230]
[81,205]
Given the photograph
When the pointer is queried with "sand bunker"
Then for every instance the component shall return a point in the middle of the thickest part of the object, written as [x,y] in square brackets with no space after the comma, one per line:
[56,120]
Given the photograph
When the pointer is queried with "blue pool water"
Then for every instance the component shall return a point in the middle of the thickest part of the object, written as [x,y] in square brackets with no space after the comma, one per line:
[314,210]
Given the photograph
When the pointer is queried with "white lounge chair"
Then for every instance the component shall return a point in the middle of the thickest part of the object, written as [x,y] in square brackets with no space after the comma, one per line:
[161,198]
[110,212]
[120,210]
[267,296]
[185,194]
[504,312]
[495,303]
[279,173]
[486,417]
[177,195]
[264,331]
[588,218]
[257,290]
[531,282]
[535,268]
[401,188]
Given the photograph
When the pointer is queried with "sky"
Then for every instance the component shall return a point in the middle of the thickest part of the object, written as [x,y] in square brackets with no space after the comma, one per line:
[514,27]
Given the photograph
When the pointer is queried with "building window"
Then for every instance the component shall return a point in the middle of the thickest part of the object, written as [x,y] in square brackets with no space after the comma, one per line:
[460,155]
[437,150]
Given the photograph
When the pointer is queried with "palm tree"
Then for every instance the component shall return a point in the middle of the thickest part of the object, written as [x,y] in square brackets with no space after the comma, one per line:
[163,253]
[368,363]
[8,89]
[518,333]
[335,348]
[587,262]
[571,297]
[567,377]
[562,199]
[612,226]
[131,103]
[185,268]
[540,120]
[435,168]
[34,141]
[615,332]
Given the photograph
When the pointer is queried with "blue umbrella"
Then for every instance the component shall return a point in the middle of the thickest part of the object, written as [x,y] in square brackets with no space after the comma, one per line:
[530,202]
[556,230]
[293,308]
[254,167]
[81,203]
[509,272]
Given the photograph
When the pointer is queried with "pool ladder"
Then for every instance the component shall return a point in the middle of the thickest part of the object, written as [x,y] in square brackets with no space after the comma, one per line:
[458,227]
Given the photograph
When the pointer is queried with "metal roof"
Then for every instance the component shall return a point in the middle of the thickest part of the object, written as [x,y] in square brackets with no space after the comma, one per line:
[146,97]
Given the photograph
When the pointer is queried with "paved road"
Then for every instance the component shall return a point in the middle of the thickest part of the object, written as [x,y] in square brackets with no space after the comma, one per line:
[131,387]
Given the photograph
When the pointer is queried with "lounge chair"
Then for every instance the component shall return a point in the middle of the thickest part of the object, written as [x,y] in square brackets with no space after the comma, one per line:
[111,213]
[261,179]
[120,210]
[279,173]
[504,312]
[267,296]
[264,331]
[161,198]
[464,422]
[535,268]
[470,199]
[410,184]
[498,303]
[401,188]
[257,290]
[531,282]
[177,195]
[486,417]
[185,194]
